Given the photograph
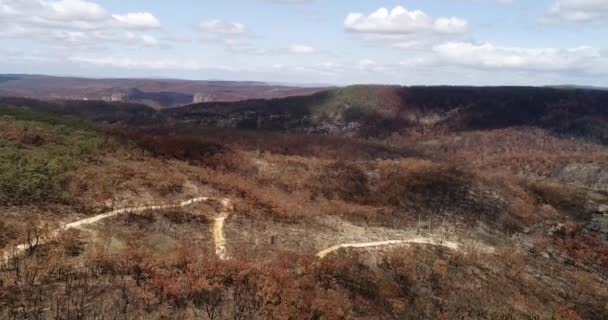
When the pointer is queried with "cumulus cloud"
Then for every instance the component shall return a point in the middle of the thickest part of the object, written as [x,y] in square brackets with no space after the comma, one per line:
[72,23]
[578,10]
[450,25]
[402,21]
[70,14]
[487,55]
[141,20]
[76,10]
[234,36]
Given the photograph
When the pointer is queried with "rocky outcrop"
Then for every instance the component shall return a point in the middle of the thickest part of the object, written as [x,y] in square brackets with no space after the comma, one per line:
[593,176]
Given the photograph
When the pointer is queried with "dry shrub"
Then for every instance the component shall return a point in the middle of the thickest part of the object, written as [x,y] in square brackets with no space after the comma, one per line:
[582,248]
[285,207]
[280,205]
[8,233]
[305,145]
[396,180]
[409,283]
[566,199]
[523,208]
[183,217]
[343,180]
[436,189]
[371,215]
[165,184]
[195,149]
[28,134]
[514,260]
[72,243]
[403,265]
[441,268]
[524,151]
[141,218]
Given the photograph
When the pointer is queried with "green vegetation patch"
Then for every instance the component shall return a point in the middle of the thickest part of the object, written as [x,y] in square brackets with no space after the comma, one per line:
[350,103]
[36,153]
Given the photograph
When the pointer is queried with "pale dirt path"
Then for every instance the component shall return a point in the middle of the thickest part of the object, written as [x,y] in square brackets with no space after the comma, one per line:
[218,231]
[418,240]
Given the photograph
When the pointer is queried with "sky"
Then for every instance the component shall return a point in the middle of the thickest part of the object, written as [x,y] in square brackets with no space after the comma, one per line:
[340,42]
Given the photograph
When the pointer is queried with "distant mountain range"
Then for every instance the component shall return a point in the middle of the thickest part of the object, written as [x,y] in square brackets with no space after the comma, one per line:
[156,93]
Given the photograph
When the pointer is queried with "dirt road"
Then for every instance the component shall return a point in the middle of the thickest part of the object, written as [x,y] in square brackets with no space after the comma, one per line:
[418,240]
[218,232]
[218,229]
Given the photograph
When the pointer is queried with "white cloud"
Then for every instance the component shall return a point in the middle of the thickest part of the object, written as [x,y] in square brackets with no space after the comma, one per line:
[418,62]
[578,10]
[70,23]
[76,10]
[585,59]
[419,69]
[451,25]
[402,21]
[234,36]
[300,49]
[367,65]
[143,39]
[6,10]
[222,27]
[138,20]
[130,63]
[66,36]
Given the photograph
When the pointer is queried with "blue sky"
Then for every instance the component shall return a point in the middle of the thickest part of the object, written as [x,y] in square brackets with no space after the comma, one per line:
[468,42]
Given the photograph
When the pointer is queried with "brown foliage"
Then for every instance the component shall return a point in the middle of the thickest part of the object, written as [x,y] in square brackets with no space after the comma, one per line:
[582,248]
[343,180]
[563,198]
[196,149]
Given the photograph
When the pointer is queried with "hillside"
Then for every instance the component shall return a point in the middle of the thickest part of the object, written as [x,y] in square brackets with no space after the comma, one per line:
[379,111]
[371,111]
[357,203]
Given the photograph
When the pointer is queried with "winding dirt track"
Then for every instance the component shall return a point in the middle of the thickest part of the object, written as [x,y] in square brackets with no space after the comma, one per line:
[218,229]
[418,240]
[218,226]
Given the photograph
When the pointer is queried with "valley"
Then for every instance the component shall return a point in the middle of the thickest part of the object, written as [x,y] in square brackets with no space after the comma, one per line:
[364,202]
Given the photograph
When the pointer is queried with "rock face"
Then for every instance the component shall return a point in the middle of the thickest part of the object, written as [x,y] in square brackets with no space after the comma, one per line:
[599,223]
[592,176]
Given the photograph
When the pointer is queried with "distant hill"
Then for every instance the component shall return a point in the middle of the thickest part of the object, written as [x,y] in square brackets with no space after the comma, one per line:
[157,93]
[379,111]
[569,86]
[366,111]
